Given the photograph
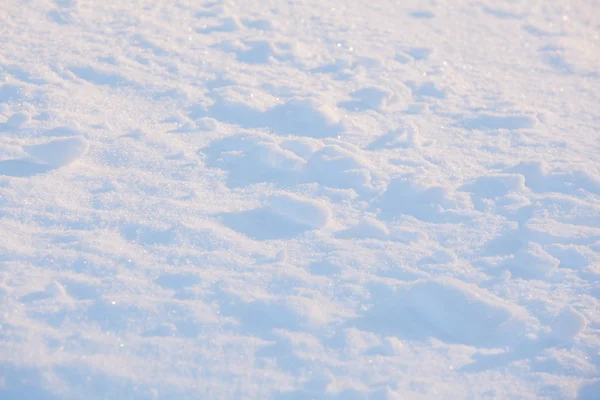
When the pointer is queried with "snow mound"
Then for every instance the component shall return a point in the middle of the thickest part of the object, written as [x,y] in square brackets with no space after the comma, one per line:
[367,228]
[568,324]
[450,310]
[437,204]
[465,312]
[59,152]
[304,211]
[19,119]
[533,262]
[497,185]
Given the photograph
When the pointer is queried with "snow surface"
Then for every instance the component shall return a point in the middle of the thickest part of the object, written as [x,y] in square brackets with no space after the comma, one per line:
[299,199]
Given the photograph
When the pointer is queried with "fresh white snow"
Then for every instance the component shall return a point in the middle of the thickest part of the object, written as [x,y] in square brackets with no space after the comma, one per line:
[299,199]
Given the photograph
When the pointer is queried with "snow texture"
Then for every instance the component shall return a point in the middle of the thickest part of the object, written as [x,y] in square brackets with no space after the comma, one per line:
[299,199]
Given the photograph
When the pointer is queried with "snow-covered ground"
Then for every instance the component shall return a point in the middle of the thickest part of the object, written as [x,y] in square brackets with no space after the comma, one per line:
[299,199]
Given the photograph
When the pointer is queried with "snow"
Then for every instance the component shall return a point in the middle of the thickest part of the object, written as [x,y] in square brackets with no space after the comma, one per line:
[293,200]
[303,211]
[568,324]
[58,153]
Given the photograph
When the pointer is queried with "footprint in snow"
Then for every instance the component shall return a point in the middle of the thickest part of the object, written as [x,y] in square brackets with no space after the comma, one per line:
[45,157]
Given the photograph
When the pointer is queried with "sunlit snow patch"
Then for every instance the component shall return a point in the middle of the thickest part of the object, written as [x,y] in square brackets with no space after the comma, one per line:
[491,122]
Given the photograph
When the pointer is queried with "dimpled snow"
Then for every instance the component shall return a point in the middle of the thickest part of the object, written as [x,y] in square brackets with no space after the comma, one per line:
[299,200]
